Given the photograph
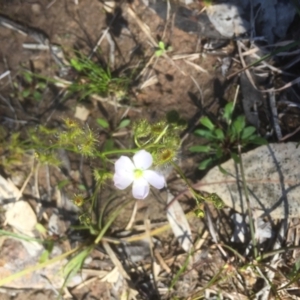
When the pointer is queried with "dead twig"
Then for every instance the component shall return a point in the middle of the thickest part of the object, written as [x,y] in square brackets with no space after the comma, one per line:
[275,115]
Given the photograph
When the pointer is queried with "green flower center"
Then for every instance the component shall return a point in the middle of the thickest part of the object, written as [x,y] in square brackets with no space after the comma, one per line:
[138,173]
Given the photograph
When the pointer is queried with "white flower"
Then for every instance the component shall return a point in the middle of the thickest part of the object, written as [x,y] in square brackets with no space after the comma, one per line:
[136,172]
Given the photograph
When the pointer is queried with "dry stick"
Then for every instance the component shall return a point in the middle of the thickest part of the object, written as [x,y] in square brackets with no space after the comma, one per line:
[162,262]
[289,135]
[102,36]
[213,233]
[99,42]
[26,182]
[167,19]
[132,218]
[234,101]
[295,81]
[115,260]
[275,115]
[264,63]
[279,50]
[248,74]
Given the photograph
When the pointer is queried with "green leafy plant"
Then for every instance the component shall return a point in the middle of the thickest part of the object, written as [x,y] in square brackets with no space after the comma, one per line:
[93,78]
[225,138]
[162,49]
[29,87]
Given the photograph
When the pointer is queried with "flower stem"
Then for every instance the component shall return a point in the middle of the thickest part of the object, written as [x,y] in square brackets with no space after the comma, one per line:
[161,134]
[194,194]
[117,151]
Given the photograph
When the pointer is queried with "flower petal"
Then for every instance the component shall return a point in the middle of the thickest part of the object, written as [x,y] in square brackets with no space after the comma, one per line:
[140,188]
[142,160]
[154,178]
[124,163]
[122,179]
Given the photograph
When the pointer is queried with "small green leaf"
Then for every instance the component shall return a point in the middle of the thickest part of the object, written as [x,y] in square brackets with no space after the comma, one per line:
[219,134]
[219,152]
[161,45]
[103,123]
[235,157]
[62,183]
[204,164]
[46,253]
[205,133]
[40,228]
[108,145]
[42,85]
[159,52]
[258,140]
[201,148]
[124,123]
[228,110]
[76,64]
[44,256]
[25,93]
[205,121]
[81,187]
[37,96]
[222,170]
[75,264]
[28,77]
[247,132]
[239,124]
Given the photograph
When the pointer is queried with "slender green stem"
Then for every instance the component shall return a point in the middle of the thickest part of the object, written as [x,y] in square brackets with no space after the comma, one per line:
[251,224]
[179,171]
[110,220]
[117,151]
[161,134]
[136,142]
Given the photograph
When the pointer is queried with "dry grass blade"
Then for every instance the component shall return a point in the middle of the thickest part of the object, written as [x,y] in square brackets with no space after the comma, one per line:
[142,25]
[192,56]
[288,85]
[290,135]
[275,52]
[115,260]
[6,73]
[97,273]
[252,52]
[26,181]
[179,224]
[248,74]
[150,81]
[197,67]
[133,215]
[162,262]
[213,232]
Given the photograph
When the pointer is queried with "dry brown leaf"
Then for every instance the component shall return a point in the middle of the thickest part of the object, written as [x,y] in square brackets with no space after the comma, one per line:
[21,216]
[272,174]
